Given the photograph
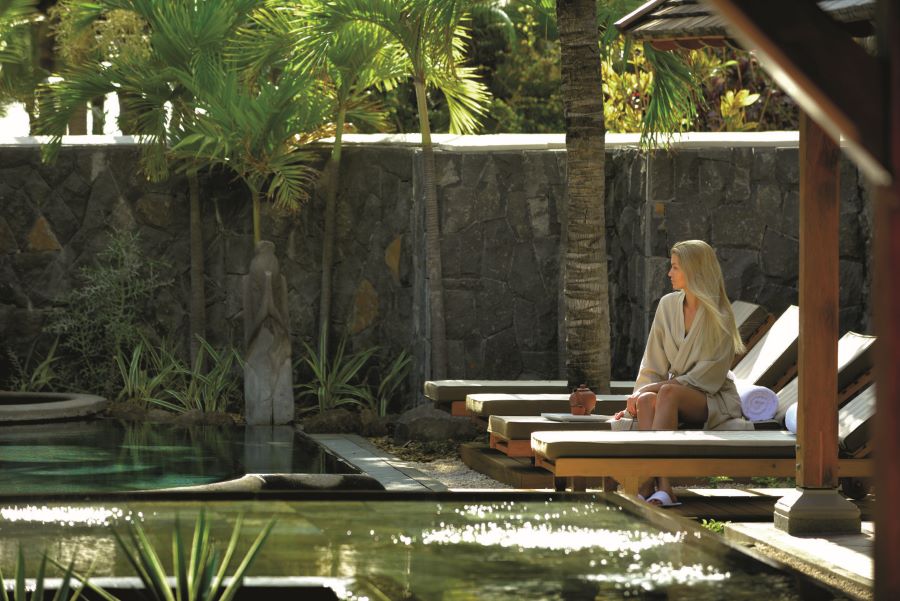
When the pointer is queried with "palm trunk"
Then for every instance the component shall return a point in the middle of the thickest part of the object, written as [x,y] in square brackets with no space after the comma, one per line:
[433,267]
[98,118]
[256,229]
[586,280]
[198,294]
[78,122]
[328,241]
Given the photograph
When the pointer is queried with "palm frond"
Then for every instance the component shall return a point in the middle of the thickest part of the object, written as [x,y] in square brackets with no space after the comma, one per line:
[674,97]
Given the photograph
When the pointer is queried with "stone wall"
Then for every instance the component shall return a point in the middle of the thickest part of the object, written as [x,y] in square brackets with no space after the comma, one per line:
[501,215]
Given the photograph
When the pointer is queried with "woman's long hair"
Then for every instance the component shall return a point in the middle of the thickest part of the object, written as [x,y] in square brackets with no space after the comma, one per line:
[703,276]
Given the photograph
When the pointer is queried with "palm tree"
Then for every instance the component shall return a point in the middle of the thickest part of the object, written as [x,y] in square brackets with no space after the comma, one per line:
[182,36]
[432,36]
[586,288]
[350,66]
[257,130]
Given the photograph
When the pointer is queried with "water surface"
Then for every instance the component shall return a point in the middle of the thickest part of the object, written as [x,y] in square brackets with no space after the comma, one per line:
[546,548]
[108,455]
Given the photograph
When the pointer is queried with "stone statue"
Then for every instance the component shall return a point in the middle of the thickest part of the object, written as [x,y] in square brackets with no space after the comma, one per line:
[268,383]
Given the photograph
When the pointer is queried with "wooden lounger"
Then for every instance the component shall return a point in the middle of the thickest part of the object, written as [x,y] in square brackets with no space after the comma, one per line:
[511,434]
[452,393]
[753,321]
[632,457]
[485,405]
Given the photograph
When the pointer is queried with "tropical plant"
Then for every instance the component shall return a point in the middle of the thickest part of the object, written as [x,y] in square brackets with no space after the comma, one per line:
[432,35]
[714,525]
[33,378]
[185,41]
[335,380]
[206,387]
[147,372]
[105,311]
[199,571]
[21,32]
[258,131]
[352,65]
[379,400]
[21,591]
[77,42]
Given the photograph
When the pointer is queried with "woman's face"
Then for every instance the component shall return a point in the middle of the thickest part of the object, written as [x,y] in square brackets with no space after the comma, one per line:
[679,282]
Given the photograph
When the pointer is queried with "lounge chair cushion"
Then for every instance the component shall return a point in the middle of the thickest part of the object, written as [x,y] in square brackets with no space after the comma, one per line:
[664,443]
[488,404]
[520,427]
[854,359]
[854,422]
[774,354]
[456,390]
[749,318]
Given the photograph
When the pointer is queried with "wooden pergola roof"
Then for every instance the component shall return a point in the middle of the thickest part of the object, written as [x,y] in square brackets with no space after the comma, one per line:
[673,24]
[851,96]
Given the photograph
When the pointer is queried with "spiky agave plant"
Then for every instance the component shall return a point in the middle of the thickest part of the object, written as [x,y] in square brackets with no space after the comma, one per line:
[20,592]
[199,572]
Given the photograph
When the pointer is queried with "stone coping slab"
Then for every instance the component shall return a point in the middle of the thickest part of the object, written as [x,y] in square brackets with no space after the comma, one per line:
[393,474]
[481,143]
[42,406]
[845,556]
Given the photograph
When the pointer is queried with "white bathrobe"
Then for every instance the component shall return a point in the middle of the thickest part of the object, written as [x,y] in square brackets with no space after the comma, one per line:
[670,353]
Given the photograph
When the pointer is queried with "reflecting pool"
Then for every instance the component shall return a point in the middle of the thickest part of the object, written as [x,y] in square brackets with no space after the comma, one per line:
[109,455]
[519,547]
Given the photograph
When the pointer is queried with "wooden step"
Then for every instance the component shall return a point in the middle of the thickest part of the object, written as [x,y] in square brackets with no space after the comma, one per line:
[514,471]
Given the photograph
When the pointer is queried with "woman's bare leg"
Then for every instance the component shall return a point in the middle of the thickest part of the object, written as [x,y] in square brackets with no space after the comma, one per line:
[646,410]
[675,401]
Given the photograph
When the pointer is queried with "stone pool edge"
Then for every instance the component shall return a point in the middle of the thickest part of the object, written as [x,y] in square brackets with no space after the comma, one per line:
[394,474]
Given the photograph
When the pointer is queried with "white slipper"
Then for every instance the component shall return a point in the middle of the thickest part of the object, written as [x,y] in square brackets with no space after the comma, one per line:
[662,499]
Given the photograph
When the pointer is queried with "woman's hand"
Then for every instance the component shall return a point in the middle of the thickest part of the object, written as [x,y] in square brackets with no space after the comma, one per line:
[630,407]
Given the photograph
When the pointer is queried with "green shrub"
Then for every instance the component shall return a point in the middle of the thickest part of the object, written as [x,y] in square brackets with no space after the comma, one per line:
[105,311]
[334,381]
[713,525]
[208,387]
[379,400]
[343,380]
[26,377]
[147,372]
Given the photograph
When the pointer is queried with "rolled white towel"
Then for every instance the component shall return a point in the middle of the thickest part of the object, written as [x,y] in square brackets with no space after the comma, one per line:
[790,418]
[757,402]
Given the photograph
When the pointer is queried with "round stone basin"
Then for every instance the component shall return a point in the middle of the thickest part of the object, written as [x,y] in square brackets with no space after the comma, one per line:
[42,406]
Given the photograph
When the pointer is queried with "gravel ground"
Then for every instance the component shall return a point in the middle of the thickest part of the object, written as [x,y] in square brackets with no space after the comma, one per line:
[454,474]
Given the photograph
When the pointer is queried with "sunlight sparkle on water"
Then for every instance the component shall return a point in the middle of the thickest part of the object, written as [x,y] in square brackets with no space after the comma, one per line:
[550,537]
[660,575]
[64,516]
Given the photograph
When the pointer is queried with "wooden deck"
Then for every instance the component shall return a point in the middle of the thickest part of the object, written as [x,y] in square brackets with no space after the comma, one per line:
[699,502]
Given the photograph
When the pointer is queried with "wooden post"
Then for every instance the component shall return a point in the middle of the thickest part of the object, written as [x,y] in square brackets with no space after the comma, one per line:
[819,286]
[815,506]
[887,326]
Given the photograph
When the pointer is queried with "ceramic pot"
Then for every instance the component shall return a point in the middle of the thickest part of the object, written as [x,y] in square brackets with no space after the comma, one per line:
[582,401]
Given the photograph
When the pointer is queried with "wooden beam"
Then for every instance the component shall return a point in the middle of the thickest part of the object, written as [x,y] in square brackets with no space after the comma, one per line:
[887,327]
[817,449]
[818,64]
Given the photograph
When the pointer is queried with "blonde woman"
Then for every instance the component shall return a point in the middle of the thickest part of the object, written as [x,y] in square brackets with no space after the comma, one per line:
[684,375]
